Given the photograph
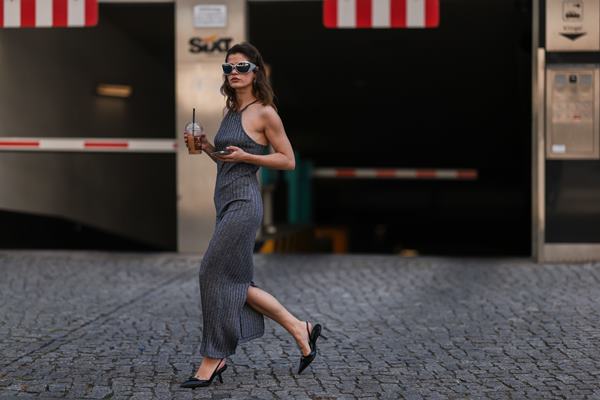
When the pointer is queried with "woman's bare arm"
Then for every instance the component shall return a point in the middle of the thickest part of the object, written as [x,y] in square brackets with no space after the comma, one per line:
[283,154]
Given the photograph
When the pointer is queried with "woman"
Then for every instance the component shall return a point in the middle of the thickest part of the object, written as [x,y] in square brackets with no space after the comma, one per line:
[232,305]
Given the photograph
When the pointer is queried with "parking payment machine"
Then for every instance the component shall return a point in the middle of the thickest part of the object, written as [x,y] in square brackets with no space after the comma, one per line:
[572,112]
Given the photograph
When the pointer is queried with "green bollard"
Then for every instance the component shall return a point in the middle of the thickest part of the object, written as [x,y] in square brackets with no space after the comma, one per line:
[306,192]
[268,176]
[293,195]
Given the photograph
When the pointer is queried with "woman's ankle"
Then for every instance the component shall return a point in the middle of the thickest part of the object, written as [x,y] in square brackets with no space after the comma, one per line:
[299,329]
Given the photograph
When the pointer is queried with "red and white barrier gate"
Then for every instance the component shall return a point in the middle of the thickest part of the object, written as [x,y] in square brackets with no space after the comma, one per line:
[396,173]
[119,145]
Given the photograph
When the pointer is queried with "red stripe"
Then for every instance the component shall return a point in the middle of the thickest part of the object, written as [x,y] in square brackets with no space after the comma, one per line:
[426,173]
[330,14]
[91,12]
[467,174]
[385,173]
[106,144]
[364,17]
[24,143]
[59,13]
[27,13]
[1,14]
[432,13]
[398,13]
[345,173]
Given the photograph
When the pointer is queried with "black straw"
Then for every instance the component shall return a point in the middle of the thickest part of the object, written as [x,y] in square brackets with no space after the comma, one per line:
[193,119]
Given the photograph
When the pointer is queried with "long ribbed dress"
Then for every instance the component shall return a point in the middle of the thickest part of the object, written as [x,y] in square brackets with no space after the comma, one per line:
[227,268]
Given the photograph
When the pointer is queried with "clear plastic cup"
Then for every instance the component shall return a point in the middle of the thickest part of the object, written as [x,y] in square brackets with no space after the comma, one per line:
[194,130]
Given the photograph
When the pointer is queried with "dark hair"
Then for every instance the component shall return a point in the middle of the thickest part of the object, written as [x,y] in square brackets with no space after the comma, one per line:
[261,87]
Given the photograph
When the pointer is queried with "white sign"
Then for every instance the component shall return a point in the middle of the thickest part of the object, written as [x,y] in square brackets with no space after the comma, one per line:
[572,25]
[210,16]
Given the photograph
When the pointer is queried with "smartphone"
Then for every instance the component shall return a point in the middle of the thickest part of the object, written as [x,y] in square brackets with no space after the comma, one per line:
[221,152]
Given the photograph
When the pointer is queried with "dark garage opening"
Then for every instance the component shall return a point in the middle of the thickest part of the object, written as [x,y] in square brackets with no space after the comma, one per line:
[454,97]
[49,85]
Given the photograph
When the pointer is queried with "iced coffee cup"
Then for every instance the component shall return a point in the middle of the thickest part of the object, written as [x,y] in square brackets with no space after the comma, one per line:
[193,131]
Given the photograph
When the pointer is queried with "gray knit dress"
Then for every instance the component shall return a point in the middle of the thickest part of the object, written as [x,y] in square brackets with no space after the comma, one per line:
[227,268]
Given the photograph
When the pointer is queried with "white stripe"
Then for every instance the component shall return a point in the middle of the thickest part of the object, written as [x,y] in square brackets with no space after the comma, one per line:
[43,13]
[157,145]
[324,172]
[12,13]
[415,13]
[61,144]
[381,13]
[346,13]
[76,13]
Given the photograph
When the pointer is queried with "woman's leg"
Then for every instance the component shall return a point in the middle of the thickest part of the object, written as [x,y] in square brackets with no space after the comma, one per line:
[207,367]
[266,304]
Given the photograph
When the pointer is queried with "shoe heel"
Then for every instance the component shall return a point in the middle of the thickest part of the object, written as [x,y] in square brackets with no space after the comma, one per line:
[220,378]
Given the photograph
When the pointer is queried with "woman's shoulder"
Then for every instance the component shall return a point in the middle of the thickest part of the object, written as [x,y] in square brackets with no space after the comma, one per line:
[267,111]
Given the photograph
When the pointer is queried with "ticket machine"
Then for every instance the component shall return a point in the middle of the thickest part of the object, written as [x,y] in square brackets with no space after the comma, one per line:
[572,112]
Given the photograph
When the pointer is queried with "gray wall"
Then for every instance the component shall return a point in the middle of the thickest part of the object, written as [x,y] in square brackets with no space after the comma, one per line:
[47,82]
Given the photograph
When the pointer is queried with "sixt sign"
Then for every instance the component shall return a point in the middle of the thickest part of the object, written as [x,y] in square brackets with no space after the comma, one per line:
[210,44]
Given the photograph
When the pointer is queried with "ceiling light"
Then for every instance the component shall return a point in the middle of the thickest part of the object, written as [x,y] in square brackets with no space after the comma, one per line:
[110,90]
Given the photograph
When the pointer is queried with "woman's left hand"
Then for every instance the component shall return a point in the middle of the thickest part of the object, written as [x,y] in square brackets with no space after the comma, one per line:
[237,155]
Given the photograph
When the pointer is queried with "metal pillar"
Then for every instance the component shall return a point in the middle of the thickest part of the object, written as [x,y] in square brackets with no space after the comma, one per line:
[543,249]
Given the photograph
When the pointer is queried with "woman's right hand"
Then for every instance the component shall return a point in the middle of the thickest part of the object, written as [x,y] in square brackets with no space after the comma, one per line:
[185,140]
[202,138]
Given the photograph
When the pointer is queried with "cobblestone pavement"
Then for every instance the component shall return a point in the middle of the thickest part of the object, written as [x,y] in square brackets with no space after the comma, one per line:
[85,325]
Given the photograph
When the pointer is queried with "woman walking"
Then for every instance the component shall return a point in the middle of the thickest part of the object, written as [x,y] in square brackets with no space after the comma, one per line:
[232,305]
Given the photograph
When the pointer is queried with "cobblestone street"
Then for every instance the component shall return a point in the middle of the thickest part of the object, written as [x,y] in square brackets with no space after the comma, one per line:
[92,325]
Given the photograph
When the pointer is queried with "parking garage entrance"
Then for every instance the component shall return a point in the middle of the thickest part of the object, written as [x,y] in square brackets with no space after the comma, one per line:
[455,97]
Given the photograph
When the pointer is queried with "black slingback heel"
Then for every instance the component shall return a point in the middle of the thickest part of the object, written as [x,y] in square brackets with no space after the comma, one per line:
[312,341]
[193,382]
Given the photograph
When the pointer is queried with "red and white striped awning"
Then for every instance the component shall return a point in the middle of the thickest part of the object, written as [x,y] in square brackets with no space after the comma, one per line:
[381,13]
[48,13]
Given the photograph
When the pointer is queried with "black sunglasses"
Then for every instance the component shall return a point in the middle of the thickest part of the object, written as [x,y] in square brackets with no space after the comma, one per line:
[241,67]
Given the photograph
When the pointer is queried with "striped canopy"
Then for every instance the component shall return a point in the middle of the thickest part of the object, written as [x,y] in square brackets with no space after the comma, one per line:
[381,13]
[48,13]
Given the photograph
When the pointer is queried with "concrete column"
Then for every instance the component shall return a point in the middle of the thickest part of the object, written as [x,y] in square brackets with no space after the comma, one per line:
[199,77]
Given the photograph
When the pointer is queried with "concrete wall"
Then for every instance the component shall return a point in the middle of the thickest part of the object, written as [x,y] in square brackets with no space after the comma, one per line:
[47,83]
[199,78]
